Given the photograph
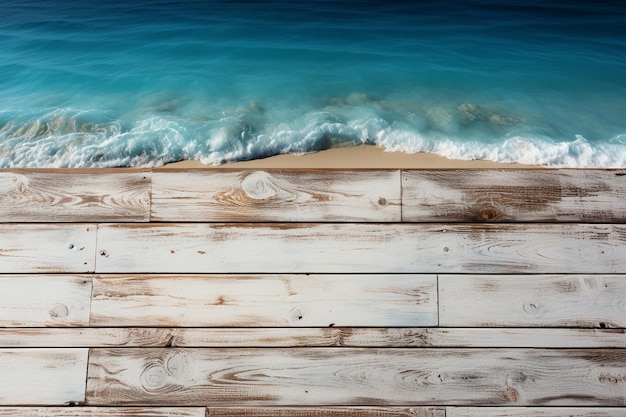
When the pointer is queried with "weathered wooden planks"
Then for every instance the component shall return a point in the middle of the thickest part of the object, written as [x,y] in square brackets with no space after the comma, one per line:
[74,195]
[284,196]
[47,248]
[314,337]
[364,266]
[30,301]
[221,412]
[42,376]
[361,248]
[532,300]
[265,301]
[582,196]
[325,412]
[102,412]
[312,412]
[534,412]
[343,376]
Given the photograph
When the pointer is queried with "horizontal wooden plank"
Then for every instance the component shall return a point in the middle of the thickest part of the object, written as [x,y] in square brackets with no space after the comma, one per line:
[74,196]
[361,248]
[325,412]
[534,412]
[313,337]
[42,376]
[47,248]
[532,300]
[102,412]
[286,196]
[581,196]
[33,301]
[265,301]
[483,338]
[345,376]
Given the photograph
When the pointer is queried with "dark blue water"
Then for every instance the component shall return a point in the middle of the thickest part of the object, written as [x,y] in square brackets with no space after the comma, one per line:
[143,83]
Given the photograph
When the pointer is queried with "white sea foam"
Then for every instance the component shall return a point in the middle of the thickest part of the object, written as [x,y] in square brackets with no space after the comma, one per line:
[81,139]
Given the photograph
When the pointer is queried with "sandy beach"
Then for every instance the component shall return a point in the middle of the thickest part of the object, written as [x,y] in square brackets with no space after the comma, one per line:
[361,157]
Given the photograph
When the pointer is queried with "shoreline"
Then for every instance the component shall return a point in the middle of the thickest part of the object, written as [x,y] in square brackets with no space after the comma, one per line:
[359,157]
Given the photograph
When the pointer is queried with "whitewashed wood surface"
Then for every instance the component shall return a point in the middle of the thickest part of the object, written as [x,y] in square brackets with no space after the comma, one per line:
[325,412]
[532,300]
[42,376]
[102,412]
[44,300]
[314,337]
[47,248]
[346,376]
[361,248]
[265,301]
[283,196]
[312,293]
[534,412]
[312,412]
[510,195]
[74,195]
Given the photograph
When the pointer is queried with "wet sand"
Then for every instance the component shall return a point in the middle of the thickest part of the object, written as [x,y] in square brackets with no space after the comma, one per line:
[361,157]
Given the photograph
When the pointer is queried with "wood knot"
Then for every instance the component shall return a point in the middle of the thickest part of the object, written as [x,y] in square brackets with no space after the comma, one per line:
[511,395]
[382,201]
[20,185]
[154,377]
[531,308]
[296,316]
[59,311]
[177,365]
[166,374]
[258,186]
[488,213]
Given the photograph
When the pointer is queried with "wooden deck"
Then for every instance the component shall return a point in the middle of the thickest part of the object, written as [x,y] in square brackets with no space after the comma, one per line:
[194,293]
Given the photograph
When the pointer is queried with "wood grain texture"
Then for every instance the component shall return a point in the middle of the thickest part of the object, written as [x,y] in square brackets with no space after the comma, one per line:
[313,337]
[285,196]
[582,196]
[77,196]
[42,376]
[534,412]
[47,248]
[265,301]
[532,300]
[361,248]
[31,301]
[325,412]
[343,376]
[102,412]
[483,338]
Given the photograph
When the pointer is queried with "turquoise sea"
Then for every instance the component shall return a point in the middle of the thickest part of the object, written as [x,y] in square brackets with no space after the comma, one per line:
[143,83]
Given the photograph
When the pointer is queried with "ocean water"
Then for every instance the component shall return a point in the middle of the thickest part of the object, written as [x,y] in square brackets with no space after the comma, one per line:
[146,82]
